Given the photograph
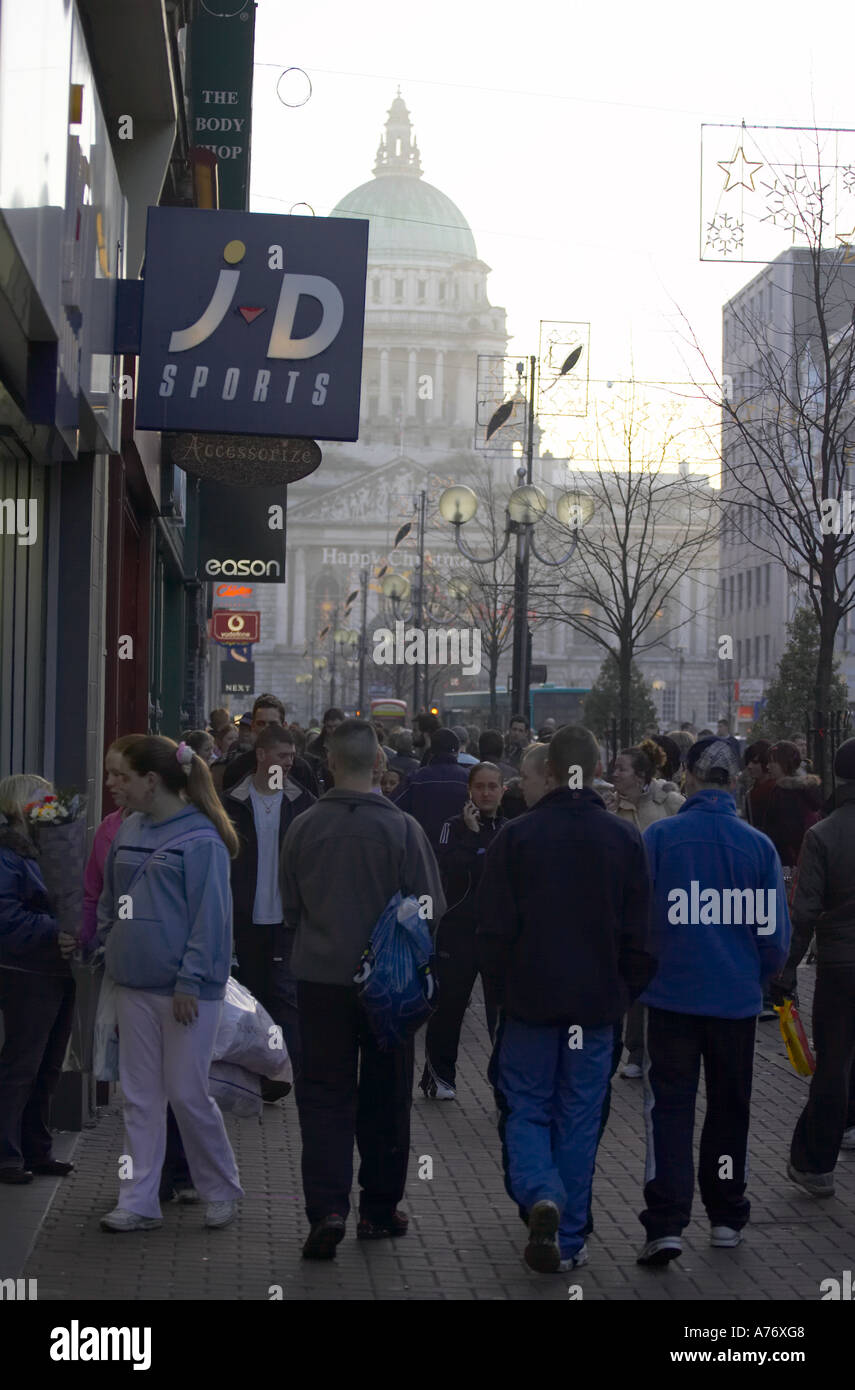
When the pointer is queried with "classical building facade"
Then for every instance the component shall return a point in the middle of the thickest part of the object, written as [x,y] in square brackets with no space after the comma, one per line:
[428,319]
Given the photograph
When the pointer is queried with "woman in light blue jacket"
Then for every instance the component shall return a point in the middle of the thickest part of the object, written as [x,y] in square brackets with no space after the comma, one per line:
[165,916]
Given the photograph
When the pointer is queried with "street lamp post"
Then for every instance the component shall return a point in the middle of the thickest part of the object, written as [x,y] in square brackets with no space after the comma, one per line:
[319,664]
[363,641]
[418,594]
[526,505]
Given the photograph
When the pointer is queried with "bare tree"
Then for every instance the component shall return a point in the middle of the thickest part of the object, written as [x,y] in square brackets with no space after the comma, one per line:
[652,525]
[788,425]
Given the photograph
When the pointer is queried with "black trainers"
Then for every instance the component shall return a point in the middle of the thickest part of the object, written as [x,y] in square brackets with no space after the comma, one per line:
[542,1251]
[16,1176]
[324,1237]
[274,1091]
[395,1225]
[434,1088]
[52,1168]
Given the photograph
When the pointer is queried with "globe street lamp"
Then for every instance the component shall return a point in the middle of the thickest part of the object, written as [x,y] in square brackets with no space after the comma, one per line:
[526,506]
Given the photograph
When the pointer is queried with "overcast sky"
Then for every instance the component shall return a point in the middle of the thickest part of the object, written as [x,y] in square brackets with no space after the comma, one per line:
[568,135]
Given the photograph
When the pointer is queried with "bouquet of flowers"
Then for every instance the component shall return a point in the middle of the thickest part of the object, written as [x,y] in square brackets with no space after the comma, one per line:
[58,826]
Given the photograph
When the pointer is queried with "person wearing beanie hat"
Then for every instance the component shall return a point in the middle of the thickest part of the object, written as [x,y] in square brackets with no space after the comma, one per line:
[824,905]
[720,931]
[438,791]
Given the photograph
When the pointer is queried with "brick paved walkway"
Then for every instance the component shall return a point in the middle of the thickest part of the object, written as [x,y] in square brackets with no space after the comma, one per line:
[465,1239]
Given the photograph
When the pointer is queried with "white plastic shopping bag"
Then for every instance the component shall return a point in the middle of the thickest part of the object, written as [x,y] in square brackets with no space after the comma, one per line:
[248,1037]
[236,1090]
[105,1046]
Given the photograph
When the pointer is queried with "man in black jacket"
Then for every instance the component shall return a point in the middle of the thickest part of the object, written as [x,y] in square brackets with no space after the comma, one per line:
[824,903]
[261,808]
[438,790]
[268,710]
[563,917]
[318,748]
[463,844]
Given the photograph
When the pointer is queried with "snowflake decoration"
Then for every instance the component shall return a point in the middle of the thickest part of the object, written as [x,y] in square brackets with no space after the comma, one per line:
[725,234]
[795,201]
[848,177]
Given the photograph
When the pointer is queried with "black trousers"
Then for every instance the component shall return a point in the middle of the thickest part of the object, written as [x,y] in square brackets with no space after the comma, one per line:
[830,1107]
[349,1088]
[264,966]
[676,1043]
[37,1016]
[456,973]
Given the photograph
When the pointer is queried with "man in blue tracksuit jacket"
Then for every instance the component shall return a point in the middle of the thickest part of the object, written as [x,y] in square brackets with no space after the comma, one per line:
[563,915]
[720,931]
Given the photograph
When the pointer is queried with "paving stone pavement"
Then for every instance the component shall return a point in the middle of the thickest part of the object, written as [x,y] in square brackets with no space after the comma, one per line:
[465,1239]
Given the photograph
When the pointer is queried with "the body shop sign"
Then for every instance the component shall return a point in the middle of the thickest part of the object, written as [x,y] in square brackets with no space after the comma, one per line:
[252,323]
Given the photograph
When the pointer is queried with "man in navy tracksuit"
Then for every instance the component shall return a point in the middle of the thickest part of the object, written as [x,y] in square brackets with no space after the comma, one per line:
[563,915]
[720,932]
[438,790]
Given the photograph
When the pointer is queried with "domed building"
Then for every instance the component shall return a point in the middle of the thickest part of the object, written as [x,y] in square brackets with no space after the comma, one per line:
[427,320]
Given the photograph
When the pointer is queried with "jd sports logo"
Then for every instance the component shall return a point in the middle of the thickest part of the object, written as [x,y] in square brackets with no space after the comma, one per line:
[281,343]
[252,324]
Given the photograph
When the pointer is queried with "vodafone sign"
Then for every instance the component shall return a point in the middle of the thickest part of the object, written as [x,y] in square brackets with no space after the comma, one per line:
[230,627]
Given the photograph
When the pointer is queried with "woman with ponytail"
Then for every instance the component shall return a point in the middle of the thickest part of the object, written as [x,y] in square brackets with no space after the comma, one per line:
[165,917]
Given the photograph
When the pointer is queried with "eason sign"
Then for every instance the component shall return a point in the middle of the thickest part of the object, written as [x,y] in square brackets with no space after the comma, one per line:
[235,626]
[252,323]
[242,534]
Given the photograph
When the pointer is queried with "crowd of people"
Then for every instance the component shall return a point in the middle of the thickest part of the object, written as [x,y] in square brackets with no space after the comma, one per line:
[642,901]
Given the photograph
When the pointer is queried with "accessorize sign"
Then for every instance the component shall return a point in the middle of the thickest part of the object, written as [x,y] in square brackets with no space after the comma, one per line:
[242,534]
[253,459]
[252,324]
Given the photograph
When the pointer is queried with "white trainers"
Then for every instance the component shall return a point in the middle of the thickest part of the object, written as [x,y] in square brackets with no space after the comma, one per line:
[848,1141]
[575,1261]
[220,1214]
[632,1071]
[121,1220]
[437,1090]
[725,1237]
[188,1196]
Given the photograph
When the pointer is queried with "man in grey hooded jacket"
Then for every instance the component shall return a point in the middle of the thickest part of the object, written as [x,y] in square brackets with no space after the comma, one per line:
[342,860]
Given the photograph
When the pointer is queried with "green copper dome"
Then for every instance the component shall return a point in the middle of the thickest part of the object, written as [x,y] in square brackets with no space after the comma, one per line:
[406,214]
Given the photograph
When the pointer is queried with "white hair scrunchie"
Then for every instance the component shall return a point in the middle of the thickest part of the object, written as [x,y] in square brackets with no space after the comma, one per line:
[184,754]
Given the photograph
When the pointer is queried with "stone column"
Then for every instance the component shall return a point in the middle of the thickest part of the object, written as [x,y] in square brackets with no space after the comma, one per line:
[384,381]
[298,624]
[411,382]
[438,385]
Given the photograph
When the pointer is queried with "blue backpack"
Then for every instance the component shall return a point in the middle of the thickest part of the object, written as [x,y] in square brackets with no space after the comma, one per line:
[398,988]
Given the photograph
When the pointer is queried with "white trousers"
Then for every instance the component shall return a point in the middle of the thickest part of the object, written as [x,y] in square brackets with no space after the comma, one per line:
[160,1061]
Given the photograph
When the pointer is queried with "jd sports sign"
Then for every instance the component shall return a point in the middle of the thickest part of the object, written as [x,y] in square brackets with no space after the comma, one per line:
[252,323]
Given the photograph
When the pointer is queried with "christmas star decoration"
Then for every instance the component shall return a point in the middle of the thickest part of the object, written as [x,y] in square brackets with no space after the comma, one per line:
[738,170]
[848,240]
